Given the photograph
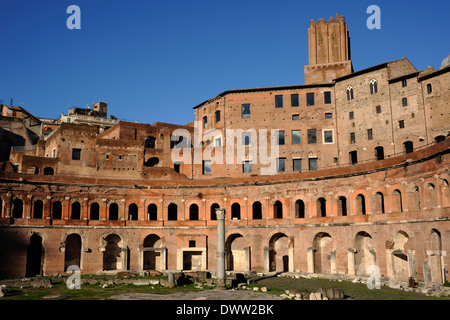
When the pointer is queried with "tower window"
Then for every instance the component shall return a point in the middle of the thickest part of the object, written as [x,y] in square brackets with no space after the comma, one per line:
[373,86]
[369,134]
[350,93]
[404,102]
[352,138]
[327,97]
[404,83]
[401,124]
[429,88]
[351,115]
[378,109]
[217,116]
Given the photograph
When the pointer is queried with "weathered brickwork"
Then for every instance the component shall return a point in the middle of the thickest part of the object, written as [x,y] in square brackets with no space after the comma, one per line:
[115,199]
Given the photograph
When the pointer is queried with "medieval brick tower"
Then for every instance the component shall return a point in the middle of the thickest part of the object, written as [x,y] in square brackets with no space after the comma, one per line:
[329,51]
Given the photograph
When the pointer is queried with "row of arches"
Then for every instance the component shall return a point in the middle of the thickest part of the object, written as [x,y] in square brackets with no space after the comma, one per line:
[378,205]
[323,256]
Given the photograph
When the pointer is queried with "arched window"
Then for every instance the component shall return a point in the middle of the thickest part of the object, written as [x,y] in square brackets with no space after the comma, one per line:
[408,147]
[299,209]
[278,210]
[38,208]
[257,210]
[133,211]
[152,211]
[95,211]
[17,211]
[76,211]
[432,200]
[114,211]
[379,153]
[172,213]
[236,211]
[373,86]
[152,162]
[397,197]
[49,171]
[193,212]
[214,206]
[379,202]
[57,210]
[360,205]
[150,142]
[205,122]
[321,207]
[342,206]
[217,116]
[350,95]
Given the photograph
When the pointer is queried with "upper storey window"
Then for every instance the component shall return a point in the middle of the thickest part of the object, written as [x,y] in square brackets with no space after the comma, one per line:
[295,100]
[205,122]
[246,113]
[404,83]
[217,116]
[279,101]
[373,86]
[350,95]
[429,88]
[76,154]
[310,99]
[327,97]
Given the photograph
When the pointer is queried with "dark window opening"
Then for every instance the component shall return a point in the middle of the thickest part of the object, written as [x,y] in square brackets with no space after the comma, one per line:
[295,102]
[278,101]
[76,154]
[310,99]
[353,157]
[327,97]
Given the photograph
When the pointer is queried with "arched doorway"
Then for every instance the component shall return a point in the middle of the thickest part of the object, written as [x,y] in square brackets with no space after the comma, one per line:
[57,210]
[323,249]
[364,255]
[214,206]
[279,253]
[342,206]
[257,210]
[112,252]
[172,213]
[95,211]
[236,253]
[151,257]
[113,211]
[133,212]
[299,209]
[34,256]
[193,212]
[72,251]
[236,211]
[152,212]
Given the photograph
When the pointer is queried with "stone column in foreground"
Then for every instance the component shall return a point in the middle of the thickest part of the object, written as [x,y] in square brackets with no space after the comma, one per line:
[221,284]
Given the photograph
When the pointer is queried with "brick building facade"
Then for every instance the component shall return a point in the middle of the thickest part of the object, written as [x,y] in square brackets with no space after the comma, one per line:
[361,179]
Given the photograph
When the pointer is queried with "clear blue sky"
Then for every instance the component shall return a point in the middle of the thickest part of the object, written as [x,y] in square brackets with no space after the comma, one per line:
[156,60]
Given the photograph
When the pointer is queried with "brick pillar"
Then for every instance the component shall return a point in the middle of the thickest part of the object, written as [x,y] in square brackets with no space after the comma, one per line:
[66,208]
[162,214]
[104,210]
[47,214]
[84,209]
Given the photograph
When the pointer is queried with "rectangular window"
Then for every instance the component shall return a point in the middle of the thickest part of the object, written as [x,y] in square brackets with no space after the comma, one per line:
[296,137]
[295,117]
[295,100]
[401,124]
[246,111]
[206,167]
[328,115]
[281,164]
[310,99]
[312,136]
[378,109]
[351,115]
[352,138]
[313,164]
[327,136]
[404,83]
[217,116]
[404,102]
[327,97]
[218,142]
[76,154]
[369,134]
[246,139]
[297,165]
[280,137]
[247,167]
[278,101]
[177,166]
